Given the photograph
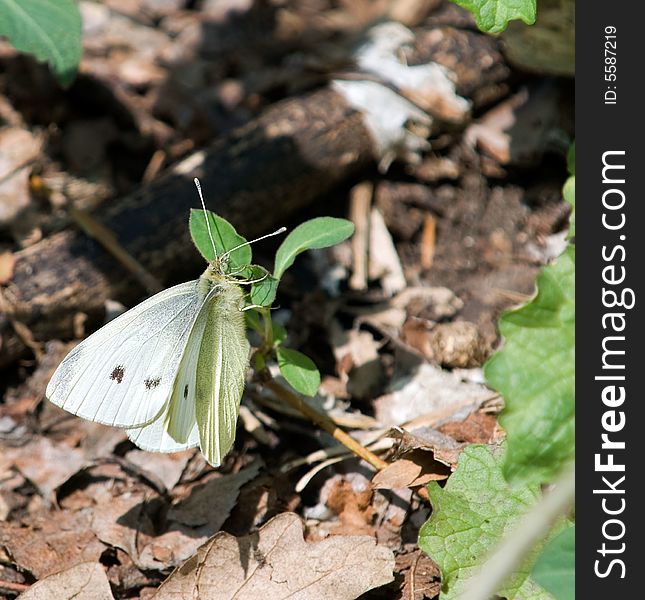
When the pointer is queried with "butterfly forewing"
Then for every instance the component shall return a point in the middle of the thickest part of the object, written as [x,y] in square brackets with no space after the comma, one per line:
[176,426]
[123,374]
[221,368]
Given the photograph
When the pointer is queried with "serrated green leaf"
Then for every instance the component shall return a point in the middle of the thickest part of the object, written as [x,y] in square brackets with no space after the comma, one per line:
[555,568]
[569,193]
[299,371]
[470,515]
[224,236]
[493,16]
[315,233]
[534,372]
[50,30]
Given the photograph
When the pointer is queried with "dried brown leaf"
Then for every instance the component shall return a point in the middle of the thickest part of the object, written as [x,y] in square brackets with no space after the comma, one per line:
[421,576]
[400,473]
[276,563]
[444,448]
[46,464]
[50,542]
[86,581]
[126,522]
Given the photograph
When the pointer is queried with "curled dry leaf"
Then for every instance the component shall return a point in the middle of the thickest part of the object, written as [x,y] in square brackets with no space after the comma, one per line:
[414,468]
[276,562]
[445,449]
[86,581]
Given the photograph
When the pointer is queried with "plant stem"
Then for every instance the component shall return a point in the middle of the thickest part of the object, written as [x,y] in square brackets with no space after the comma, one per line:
[323,421]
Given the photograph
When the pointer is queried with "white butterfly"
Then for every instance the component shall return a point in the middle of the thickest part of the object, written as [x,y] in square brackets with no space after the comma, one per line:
[171,370]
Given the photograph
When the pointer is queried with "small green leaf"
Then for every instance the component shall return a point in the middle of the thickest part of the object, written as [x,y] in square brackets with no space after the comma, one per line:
[470,516]
[315,233]
[299,371]
[50,30]
[225,238]
[534,372]
[555,567]
[492,16]
[263,292]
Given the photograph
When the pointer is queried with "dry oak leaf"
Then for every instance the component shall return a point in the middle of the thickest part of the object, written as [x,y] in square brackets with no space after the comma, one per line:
[86,581]
[50,541]
[276,562]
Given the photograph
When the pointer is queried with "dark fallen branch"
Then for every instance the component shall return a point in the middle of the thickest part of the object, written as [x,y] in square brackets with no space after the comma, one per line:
[257,176]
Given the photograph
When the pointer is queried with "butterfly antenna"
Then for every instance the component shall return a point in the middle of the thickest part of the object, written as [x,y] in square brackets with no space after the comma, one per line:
[276,232]
[208,225]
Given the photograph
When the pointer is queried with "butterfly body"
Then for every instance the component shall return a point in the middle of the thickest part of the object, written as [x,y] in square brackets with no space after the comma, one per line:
[178,358]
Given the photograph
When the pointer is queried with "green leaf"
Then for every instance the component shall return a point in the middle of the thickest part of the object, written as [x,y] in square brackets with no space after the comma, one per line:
[50,30]
[263,292]
[493,16]
[534,372]
[225,238]
[554,570]
[470,515]
[315,233]
[569,193]
[299,371]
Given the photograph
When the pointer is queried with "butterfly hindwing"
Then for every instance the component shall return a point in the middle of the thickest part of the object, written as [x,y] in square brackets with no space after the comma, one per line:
[123,374]
[221,369]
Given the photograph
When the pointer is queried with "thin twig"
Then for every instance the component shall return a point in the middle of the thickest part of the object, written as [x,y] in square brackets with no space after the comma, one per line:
[323,421]
[108,240]
[513,550]
[13,587]
[360,207]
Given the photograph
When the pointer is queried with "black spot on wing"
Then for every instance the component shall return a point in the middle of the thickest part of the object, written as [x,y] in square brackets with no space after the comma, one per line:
[185,391]
[151,384]
[118,373]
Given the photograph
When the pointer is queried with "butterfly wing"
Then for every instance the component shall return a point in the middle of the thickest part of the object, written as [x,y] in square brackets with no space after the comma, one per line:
[123,374]
[175,428]
[221,369]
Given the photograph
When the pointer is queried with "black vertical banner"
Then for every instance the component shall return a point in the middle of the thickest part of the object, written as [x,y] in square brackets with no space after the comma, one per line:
[610,269]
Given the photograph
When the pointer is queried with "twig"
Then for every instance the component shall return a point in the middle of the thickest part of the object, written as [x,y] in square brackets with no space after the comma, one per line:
[13,587]
[154,166]
[323,421]
[360,207]
[533,527]
[108,240]
[428,241]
